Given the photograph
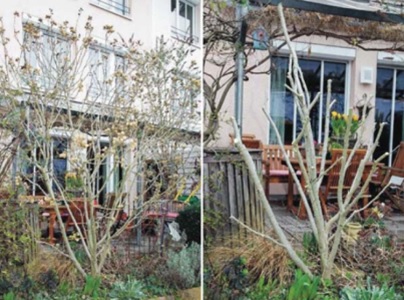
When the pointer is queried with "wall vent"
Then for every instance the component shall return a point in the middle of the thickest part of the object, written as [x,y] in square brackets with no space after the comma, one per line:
[366,75]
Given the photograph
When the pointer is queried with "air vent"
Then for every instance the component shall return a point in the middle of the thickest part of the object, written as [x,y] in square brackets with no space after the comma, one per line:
[366,75]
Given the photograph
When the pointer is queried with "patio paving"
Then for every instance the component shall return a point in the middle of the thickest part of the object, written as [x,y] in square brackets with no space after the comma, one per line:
[295,227]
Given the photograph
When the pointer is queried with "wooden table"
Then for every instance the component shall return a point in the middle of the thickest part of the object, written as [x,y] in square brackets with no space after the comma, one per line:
[300,211]
[51,210]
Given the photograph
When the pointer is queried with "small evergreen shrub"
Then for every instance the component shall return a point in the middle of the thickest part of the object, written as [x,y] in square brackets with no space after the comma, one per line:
[190,221]
[183,268]
[131,289]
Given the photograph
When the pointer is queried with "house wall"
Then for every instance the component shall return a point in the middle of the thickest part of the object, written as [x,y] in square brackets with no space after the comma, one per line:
[257,88]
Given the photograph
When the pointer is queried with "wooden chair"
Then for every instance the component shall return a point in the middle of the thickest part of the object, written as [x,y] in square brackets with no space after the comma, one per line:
[77,215]
[112,208]
[392,176]
[334,175]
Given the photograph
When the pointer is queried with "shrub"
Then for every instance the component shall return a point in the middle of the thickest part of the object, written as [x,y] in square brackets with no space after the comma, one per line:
[371,292]
[190,221]
[50,262]
[183,268]
[17,242]
[128,290]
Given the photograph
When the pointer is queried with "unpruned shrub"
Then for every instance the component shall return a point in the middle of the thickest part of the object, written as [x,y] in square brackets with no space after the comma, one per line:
[190,221]
[183,268]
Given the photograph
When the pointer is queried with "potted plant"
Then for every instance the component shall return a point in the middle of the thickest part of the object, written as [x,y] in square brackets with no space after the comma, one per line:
[74,184]
[339,125]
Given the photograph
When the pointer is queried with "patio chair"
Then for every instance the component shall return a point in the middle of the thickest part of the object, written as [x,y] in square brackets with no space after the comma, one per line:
[110,209]
[393,177]
[331,186]
[78,216]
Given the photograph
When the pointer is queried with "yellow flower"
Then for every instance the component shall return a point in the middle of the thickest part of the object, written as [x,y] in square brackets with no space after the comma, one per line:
[339,116]
[70,175]
[345,117]
[334,114]
[355,117]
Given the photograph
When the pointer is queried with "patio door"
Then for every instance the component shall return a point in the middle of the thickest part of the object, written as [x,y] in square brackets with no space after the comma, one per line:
[281,104]
[100,171]
[389,109]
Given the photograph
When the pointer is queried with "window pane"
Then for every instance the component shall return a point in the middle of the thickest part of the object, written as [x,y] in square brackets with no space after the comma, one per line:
[398,133]
[384,89]
[190,17]
[335,72]
[182,9]
[281,105]
[312,73]
[59,163]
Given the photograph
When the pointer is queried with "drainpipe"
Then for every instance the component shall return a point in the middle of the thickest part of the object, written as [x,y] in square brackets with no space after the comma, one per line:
[241,12]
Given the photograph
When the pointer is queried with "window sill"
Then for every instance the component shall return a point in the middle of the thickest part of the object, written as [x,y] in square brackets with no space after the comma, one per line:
[128,17]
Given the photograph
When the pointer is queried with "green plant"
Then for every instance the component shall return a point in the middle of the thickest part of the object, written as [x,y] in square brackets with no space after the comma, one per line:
[131,289]
[236,273]
[155,287]
[371,292]
[10,296]
[17,244]
[339,124]
[262,290]
[92,286]
[310,244]
[190,221]
[370,221]
[303,288]
[73,181]
[183,268]
[381,241]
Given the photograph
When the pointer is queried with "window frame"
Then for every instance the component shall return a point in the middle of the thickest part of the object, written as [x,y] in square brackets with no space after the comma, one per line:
[395,69]
[119,7]
[45,53]
[176,30]
[322,91]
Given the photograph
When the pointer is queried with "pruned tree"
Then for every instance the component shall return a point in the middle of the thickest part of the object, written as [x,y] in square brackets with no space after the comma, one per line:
[327,231]
[95,118]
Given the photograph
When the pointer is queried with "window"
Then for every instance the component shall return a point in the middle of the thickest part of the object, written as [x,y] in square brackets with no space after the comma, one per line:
[281,105]
[58,166]
[184,20]
[98,85]
[49,53]
[389,109]
[118,6]
[120,66]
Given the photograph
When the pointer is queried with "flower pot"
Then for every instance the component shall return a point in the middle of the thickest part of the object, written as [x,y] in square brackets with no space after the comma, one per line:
[353,229]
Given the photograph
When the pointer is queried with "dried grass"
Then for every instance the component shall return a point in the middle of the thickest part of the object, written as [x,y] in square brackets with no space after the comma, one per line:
[62,266]
[263,258]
